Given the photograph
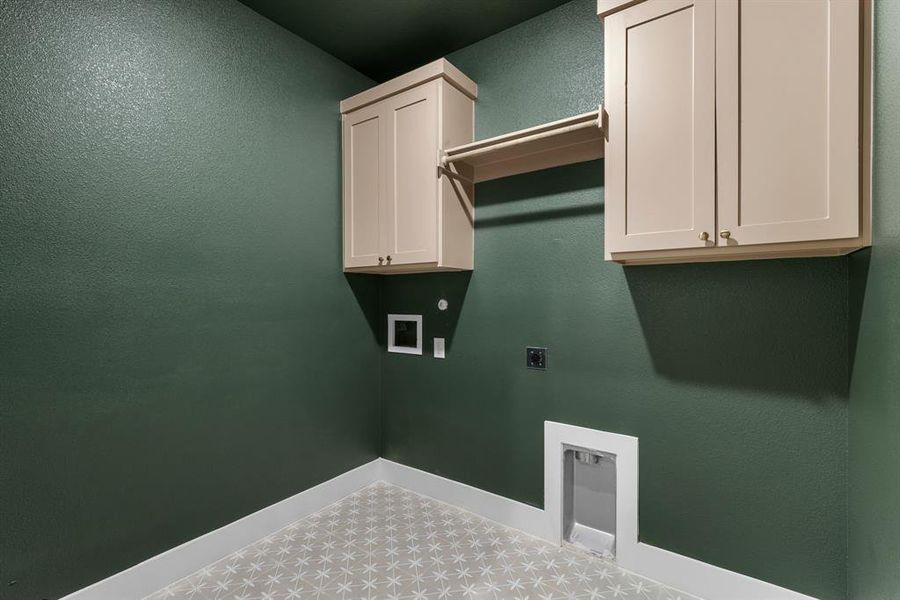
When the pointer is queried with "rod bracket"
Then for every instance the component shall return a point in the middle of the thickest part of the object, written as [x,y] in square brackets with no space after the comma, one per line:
[442,170]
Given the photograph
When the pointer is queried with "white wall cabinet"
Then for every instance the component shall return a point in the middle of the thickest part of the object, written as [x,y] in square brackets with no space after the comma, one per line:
[399,214]
[736,128]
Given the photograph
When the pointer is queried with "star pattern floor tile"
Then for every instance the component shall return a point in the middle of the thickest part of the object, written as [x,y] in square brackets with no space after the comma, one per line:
[389,543]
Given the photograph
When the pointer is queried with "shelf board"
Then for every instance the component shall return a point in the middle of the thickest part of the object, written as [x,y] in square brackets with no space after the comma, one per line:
[567,141]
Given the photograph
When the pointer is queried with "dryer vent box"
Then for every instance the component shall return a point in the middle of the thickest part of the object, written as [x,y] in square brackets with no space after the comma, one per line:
[589,500]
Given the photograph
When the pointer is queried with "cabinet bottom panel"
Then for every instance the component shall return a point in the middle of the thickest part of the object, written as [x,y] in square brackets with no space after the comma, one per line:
[787,250]
[403,269]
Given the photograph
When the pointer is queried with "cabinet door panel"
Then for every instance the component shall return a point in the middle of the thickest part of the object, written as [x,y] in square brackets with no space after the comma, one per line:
[660,155]
[363,181]
[411,210]
[787,96]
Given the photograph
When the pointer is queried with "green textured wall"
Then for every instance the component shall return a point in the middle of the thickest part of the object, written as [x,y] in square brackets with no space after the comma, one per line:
[875,382]
[175,330]
[734,376]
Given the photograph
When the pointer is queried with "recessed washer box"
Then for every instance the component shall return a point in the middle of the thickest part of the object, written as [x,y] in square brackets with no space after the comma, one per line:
[591,490]
[405,334]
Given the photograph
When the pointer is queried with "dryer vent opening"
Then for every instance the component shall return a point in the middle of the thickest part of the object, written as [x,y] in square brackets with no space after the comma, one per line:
[589,500]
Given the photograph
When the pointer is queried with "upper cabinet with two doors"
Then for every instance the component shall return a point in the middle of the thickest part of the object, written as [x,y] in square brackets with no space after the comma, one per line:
[736,128]
[400,215]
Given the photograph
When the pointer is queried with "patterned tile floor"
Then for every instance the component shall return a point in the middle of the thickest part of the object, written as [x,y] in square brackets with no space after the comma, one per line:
[389,543]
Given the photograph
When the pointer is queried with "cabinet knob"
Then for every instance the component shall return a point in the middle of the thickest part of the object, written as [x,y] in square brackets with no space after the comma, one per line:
[724,234]
[380,259]
[389,258]
[703,236]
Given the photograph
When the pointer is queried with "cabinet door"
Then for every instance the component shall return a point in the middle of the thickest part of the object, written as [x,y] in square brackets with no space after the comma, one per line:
[410,213]
[660,152]
[364,148]
[788,120]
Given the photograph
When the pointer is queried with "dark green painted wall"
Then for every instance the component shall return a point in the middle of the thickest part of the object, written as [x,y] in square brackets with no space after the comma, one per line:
[875,381]
[175,330]
[734,376]
[169,258]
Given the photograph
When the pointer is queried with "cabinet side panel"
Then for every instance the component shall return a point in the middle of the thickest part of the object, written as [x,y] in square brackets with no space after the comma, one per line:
[457,199]
[614,125]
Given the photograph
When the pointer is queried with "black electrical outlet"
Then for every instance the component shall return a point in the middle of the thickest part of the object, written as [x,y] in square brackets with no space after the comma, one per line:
[535,358]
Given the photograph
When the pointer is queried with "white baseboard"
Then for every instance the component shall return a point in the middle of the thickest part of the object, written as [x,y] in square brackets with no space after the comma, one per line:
[161,570]
[692,576]
[703,579]
[507,512]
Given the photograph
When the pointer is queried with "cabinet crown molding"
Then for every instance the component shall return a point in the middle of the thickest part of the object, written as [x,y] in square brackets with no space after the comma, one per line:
[608,7]
[441,68]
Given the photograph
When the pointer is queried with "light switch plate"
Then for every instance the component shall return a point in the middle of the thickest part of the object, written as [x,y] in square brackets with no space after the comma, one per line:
[439,348]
